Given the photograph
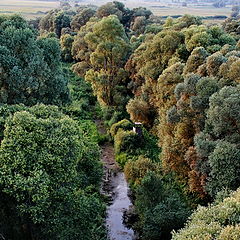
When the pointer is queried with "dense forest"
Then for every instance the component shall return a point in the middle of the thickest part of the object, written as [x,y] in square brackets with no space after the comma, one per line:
[179,78]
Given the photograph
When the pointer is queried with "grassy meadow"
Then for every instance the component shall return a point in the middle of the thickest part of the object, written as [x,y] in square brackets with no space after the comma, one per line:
[37,8]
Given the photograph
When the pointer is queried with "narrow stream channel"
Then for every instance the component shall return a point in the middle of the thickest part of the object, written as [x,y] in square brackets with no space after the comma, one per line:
[115,187]
[121,202]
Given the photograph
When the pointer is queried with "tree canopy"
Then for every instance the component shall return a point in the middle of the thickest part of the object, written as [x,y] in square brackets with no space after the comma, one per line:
[51,165]
[30,68]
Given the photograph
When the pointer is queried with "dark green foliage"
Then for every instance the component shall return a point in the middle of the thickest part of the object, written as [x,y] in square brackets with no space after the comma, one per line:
[49,176]
[225,168]
[125,15]
[30,68]
[55,21]
[150,148]
[161,207]
[82,100]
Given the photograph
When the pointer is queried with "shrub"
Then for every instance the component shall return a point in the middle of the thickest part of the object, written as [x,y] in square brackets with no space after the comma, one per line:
[135,171]
[116,117]
[122,159]
[123,124]
[126,141]
[89,129]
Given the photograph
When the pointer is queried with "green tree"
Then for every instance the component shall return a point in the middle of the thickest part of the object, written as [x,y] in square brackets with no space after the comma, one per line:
[218,221]
[217,146]
[66,42]
[160,205]
[45,177]
[55,21]
[110,51]
[116,8]
[81,18]
[30,67]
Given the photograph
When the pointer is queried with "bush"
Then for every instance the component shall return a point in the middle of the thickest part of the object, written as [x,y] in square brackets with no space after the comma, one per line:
[126,141]
[135,171]
[90,130]
[123,124]
[122,159]
[116,117]
[129,145]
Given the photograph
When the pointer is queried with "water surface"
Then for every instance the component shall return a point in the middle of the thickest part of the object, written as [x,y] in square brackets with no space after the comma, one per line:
[121,202]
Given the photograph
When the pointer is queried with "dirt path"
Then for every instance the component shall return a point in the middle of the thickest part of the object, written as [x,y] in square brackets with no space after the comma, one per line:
[107,157]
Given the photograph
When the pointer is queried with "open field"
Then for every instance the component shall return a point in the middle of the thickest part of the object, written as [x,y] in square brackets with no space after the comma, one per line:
[35,8]
[27,8]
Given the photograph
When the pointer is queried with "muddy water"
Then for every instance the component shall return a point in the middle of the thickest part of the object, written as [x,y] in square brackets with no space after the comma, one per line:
[121,202]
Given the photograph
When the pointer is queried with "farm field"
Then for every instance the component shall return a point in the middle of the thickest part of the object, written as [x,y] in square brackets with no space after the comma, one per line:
[27,8]
[165,8]
[37,8]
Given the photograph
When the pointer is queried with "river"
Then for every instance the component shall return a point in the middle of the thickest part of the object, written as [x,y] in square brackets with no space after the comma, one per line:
[121,202]
[115,187]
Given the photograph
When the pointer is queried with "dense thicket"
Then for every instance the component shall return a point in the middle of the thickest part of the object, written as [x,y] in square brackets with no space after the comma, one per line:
[180,79]
[173,82]
[50,171]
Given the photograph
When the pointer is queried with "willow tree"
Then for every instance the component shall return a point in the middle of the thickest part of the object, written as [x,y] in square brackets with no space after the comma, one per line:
[146,64]
[189,116]
[110,49]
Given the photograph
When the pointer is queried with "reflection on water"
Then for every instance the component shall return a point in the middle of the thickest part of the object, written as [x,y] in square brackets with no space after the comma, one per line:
[117,231]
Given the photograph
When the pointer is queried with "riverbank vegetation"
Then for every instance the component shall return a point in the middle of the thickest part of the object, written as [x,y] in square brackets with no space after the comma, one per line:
[178,79]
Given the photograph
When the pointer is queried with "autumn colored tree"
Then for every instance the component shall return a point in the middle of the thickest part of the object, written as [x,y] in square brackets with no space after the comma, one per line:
[146,64]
